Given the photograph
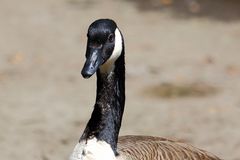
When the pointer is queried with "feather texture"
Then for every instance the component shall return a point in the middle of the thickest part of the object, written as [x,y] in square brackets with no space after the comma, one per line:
[158,148]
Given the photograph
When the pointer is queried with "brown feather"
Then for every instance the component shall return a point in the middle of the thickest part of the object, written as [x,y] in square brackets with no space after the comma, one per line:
[158,148]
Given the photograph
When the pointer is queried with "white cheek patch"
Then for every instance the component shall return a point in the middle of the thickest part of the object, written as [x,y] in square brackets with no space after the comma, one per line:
[93,150]
[108,66]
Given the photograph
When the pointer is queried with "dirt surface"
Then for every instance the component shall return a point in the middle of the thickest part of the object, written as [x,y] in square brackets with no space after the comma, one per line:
[45,103]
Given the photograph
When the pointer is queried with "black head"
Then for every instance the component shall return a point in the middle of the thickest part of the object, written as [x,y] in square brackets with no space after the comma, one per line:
[104,45]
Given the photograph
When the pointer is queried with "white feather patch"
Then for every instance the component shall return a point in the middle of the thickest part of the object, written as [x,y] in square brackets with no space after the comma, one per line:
[108,66]
[93,150]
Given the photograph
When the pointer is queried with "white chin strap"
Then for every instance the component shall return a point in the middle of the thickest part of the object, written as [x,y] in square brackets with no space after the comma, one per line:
[108,66]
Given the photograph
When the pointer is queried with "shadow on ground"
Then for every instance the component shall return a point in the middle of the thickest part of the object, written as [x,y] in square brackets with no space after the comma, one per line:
[171,90]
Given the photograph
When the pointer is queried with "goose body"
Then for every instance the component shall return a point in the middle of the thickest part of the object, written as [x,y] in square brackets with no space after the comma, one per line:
[100,141]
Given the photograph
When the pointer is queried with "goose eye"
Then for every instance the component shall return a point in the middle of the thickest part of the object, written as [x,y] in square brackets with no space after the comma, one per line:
[111,38]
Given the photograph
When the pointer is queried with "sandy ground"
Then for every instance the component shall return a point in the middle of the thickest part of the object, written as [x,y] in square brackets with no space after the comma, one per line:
[45,103]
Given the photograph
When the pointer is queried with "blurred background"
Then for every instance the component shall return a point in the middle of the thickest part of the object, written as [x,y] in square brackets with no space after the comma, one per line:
[183,73]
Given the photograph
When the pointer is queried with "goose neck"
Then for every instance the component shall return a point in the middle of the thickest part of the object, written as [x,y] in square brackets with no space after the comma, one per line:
[106,117]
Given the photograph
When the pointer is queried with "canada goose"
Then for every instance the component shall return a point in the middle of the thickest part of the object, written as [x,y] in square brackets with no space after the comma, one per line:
[100,141]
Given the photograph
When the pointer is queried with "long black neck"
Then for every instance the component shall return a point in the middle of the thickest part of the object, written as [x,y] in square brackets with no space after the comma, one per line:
[106,117]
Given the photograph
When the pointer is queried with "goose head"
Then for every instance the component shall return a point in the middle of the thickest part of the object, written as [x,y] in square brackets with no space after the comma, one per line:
[104,46]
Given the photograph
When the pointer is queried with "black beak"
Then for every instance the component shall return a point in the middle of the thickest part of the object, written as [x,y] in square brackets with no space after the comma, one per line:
[92,63]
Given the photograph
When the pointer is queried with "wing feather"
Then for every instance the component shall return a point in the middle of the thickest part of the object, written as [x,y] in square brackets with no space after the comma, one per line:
[158,148]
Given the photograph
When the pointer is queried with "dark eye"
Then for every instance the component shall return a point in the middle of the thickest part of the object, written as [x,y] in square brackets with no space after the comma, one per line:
[111,38]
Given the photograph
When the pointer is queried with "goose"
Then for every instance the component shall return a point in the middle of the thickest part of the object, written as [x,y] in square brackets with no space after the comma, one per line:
[100,141]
